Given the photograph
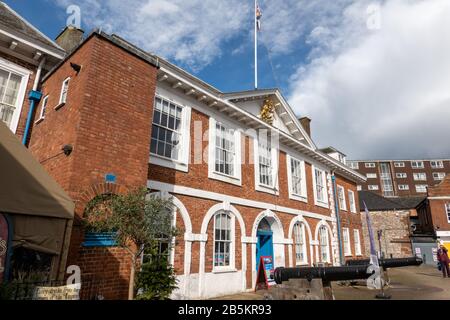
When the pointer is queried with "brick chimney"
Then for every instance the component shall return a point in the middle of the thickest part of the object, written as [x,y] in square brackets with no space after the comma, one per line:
[306,124]
[70,38]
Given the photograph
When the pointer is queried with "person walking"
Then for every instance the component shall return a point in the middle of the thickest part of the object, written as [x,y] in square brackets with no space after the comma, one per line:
[444,260]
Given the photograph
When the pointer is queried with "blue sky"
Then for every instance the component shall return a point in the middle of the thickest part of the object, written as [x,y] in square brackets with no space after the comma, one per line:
[227,72]
[372,75]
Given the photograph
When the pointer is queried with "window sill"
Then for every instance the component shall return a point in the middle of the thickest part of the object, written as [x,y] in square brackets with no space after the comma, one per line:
[225,178]
[302,264]
[39,120]
[60,105]
[298,197]
[322,204]
[348,255]
[224,270]
[168,163]
[267,189]
[340,209]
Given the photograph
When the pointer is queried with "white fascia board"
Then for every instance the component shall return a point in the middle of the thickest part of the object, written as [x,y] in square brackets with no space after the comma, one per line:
[297,123]
[34,45]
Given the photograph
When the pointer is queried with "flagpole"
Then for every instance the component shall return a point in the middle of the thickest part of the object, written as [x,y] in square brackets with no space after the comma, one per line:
[256,46]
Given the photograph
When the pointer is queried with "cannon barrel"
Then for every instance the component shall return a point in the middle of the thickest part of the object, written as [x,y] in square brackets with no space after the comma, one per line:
[324,273]
[356,269]
[389,263]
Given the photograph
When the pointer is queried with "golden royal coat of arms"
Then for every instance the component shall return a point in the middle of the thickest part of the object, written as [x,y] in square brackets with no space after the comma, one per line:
[268,111]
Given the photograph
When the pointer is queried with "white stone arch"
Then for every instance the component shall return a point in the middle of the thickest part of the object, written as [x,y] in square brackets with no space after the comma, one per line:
[279,240]
[300,219]
[180,206]
[330,239]
[187,236]
[224,206]
[275,224]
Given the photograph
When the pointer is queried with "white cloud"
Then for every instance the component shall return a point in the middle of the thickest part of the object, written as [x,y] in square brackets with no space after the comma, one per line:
[191,32]
[372,93]
[380,93]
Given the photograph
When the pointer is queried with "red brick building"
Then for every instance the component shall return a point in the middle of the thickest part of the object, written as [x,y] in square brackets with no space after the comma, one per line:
[434,212]
[243,186]
[401,178]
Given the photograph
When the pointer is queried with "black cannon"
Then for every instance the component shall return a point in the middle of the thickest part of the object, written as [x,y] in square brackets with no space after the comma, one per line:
[314,283]
[325,273]
[355,269]
[389,263]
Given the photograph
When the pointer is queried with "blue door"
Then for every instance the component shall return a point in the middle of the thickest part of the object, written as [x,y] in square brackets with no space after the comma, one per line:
[264,247]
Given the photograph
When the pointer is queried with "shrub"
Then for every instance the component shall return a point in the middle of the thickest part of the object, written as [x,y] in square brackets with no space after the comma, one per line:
[156,280]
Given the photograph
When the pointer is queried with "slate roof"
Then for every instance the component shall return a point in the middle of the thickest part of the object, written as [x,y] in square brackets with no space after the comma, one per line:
[376,202]
[11,20]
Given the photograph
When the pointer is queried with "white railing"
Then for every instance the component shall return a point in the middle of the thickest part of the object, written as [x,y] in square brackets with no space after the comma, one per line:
[6,113]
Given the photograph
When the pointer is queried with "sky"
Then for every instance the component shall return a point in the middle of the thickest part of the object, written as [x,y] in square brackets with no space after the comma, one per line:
[374,76]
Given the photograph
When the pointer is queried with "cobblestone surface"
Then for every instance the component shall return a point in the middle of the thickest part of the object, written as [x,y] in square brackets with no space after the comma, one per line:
[408,283]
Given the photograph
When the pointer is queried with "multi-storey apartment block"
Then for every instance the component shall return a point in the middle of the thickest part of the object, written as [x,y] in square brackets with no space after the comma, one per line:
[398,178]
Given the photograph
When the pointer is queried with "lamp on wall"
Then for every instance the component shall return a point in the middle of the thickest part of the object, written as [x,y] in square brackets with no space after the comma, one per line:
[75,67]
[67,149]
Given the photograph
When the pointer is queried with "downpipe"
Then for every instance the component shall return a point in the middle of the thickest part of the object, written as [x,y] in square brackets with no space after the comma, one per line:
[34,97]
[338,219]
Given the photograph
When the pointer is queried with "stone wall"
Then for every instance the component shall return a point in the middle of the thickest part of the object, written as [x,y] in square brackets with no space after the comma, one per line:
[395,239]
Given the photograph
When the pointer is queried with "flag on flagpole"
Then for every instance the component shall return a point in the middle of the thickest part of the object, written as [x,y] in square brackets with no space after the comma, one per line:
[258,17]
[373,252]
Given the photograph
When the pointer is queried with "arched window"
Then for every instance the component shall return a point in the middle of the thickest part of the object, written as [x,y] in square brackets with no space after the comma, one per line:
[223,240]
[300,243]
[164,244]
[323,242]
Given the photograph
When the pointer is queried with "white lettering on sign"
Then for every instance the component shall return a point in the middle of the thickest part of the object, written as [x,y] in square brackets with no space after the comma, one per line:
[69,292]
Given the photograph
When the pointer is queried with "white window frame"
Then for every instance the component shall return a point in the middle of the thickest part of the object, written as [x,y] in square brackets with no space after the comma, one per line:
[274,153]
[44,105]
[415,164]
[317,202]
[371,175]
[171,255]
[62,101]
[236,178]
[399,164]
[300,225]
[401,175]
[353,165]
[347,244]
[373,187]
[352,201]
[25,74]
[357,240]
[420,176]
[421,185]
[440,176]
[370,165]
[403,187]
[182,164]
[232,266]
[359,187]
[447,211]
[303,196]
[327,244]
[438,164]
[342,202]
